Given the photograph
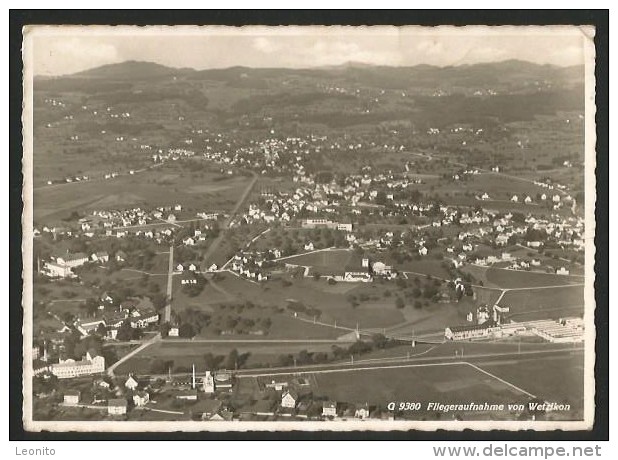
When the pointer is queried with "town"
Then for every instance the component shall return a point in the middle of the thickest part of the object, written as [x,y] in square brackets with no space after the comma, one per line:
[241,246]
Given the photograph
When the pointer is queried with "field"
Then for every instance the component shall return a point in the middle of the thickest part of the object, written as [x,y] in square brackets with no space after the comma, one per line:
[423,267]
[184,354]
[554,302]
[518,279]
[513,279]
[324,262]
[375,312]
[556,379]
[197,191]
[455,383]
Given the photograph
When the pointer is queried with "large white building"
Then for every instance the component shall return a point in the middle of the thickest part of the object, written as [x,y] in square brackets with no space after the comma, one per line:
[91,364]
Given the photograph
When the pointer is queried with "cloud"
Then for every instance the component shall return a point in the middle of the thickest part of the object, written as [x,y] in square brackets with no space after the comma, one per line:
[69,55]
[430,47]
[570,55]
[265,45]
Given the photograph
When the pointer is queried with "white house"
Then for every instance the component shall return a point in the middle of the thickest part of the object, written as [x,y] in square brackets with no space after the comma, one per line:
[131,383]
[329,409]
[71,397]
[141,398]
[117,406]
[288,399]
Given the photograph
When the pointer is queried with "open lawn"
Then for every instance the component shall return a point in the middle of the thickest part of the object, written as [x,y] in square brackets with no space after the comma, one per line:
[517,279]
[184,354]
[324,262]
[214,192]
[557,379]
[553,301]
[421,267]
[448,384]
[375,312]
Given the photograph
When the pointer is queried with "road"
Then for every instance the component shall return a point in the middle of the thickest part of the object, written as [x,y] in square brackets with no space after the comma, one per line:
[170,274]
[217,241]
[97,179]
[418,360]
[307,341]
[142,347]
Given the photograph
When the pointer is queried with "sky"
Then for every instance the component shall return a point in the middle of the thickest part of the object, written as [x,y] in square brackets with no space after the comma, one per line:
[68,49]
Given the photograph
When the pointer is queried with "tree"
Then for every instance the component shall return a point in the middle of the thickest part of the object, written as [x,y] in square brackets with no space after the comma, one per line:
[101,329]
[231,362]
[125,331]
[399,303]
[186,330]
[379,341]
[164,329]
[213,362]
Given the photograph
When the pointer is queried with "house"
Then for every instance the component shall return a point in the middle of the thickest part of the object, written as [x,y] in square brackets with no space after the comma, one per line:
[103,384]
[208,383]
[141,398]
[289,399]
[221,416]
[92,363]
[100,257]
[362,412]
[131,383]
[86,327]
[192,267]
[344,227]
[469,332]
[173,332]
[72,260]
[329,409]
[71,397]
[223,380]
[117,406]
[57,271]
[354,276]
[209,409]
[188,241]
[187,395]
[213,268]
[422,251]
[309,246]
[121,256]
[562,271]
[179,268]
[380,268]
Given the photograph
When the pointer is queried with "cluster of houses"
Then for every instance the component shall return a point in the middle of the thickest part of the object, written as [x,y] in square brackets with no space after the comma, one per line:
[138,318]
[252,264]
[135,222]
[62,266]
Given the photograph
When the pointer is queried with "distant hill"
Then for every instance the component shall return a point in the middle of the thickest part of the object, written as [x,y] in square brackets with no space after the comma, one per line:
[131,70]
[371,75]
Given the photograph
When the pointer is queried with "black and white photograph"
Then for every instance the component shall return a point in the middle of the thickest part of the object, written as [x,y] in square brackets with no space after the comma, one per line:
[308,228]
